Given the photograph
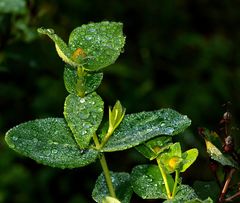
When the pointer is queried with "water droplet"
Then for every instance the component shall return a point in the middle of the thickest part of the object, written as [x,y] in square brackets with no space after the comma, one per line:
[162,124]
[15,138]
[82,100]
[84,115]
[35,140]
[88,37]
[50,31]
[54,151]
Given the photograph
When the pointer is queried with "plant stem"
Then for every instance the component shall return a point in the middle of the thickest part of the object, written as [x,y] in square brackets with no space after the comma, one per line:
[169,196]
[104,165]
[175,183]
[225,187]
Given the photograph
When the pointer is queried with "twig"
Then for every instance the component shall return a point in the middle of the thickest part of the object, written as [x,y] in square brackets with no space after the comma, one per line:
[225,187]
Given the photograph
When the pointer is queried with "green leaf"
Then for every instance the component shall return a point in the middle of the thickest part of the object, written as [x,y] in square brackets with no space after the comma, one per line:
[140,127]
[208,200]
[13,6]
[211,136]
[205,189]
[49,141]
[151,149]
[64,52]
[218,156]
[147,182]
[188,158]
[121,184]
[183,194]
[172,159]
[83,116]
[102,42]
[92,80]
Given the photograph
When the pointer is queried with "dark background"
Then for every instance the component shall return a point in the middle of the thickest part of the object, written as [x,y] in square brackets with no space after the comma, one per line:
[179,54]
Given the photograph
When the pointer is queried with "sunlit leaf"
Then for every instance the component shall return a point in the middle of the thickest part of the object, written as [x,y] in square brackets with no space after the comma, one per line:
[83,116]
[147,182]
[188,158]
[101,42]
[140,127]
[50,142]
[218,156]
[151,149]
[184,193]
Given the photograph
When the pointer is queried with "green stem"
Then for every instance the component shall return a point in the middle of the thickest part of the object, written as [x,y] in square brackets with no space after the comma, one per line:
[105,168]
[175,183]
[164,179]
[80,86]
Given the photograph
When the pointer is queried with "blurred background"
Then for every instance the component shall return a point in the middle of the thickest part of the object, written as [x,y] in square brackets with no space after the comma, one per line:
[183,55]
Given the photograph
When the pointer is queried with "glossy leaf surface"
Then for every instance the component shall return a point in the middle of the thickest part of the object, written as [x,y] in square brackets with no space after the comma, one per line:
[91,80]
[151,149]
[188,158]
[218,156]
[83,116]
[121,183]
[140,127]
[184,193]
[101,42]
[50,142]
[147,182]
[64,52]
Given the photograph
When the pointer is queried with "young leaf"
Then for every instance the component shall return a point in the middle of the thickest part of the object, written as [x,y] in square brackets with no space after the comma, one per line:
[102,43]
[184,194]
[50,142]
[83,116]
[64,52]
[147,182]
[152,148]
[121,184]
[172,159]
[92,80]
[218,156]
[188,158]
[140,127]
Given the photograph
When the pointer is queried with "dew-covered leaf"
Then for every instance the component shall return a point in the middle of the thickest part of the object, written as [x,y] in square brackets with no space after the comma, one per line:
[184,193]
[151,149]
[139,127]
[188,158]
[147,182]
[101,42]
[13,6]
[49,141]
[92,80]
[83,116]
[205,189]
[121,184]
[208,200]
[64,52]
[218,156]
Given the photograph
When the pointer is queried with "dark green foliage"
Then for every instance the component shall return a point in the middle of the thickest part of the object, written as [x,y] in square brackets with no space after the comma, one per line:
[50,142]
